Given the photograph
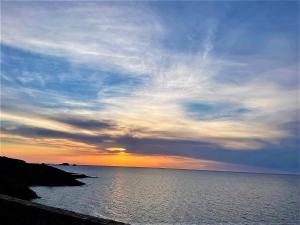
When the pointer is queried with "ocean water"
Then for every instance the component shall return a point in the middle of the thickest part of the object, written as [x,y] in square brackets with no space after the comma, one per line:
[166,196]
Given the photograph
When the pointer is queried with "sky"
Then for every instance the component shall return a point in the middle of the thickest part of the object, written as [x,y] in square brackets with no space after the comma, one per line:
[171,84]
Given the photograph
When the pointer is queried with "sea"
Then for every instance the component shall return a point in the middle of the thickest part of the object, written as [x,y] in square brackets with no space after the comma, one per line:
[171,196]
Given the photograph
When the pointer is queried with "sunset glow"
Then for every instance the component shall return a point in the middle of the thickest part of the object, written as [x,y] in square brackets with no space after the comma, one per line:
[117,149]
[151,84]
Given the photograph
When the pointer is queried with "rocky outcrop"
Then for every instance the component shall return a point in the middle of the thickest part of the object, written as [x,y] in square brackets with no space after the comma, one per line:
[10,186]
[16,176]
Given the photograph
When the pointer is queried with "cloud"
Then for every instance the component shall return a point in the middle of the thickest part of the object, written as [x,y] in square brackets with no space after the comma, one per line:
[124,74]
[34,132]
[113,37]
[266,158]
[87,124]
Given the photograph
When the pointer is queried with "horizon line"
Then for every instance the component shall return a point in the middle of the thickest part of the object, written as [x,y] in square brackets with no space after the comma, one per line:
[203,170]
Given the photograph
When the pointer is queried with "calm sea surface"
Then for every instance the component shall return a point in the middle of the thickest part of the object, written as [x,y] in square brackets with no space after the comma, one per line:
[163,196]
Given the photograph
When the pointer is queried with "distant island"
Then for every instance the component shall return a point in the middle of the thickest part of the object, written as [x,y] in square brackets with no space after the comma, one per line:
[64,164]
[16,176]
[67,164]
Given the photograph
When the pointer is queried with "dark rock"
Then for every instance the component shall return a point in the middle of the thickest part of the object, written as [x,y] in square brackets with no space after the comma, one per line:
[17,175]
[10,186]
[19,212]
[64,164]
[79,176]
[36,174]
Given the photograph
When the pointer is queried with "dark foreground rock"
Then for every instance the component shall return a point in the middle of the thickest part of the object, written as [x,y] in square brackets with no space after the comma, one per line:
[11,186]
[16,176]
[15,211]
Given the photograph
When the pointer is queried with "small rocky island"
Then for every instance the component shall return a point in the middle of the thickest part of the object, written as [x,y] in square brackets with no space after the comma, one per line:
[16,177]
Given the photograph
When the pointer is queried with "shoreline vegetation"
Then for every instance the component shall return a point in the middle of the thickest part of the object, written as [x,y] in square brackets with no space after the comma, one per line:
[16,177]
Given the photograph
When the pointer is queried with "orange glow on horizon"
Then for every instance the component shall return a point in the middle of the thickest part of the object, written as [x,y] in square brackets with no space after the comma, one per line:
[53,155]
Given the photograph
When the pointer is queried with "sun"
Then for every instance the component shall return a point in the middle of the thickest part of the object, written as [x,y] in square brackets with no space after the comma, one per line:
[116,149]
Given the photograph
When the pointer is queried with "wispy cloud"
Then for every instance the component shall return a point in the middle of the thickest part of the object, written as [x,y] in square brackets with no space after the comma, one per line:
[113,37]
[139,87]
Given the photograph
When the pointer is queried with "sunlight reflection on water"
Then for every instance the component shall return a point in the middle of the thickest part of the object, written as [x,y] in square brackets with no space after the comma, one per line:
[154,196]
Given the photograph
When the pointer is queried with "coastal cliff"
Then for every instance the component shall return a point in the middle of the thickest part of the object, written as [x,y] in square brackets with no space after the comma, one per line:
[16,176]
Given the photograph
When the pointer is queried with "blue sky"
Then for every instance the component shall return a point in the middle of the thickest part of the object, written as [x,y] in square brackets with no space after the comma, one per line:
[211,81]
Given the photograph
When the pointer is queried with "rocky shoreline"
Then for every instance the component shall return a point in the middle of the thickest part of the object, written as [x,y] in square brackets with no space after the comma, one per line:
[16,177]
[14,211]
